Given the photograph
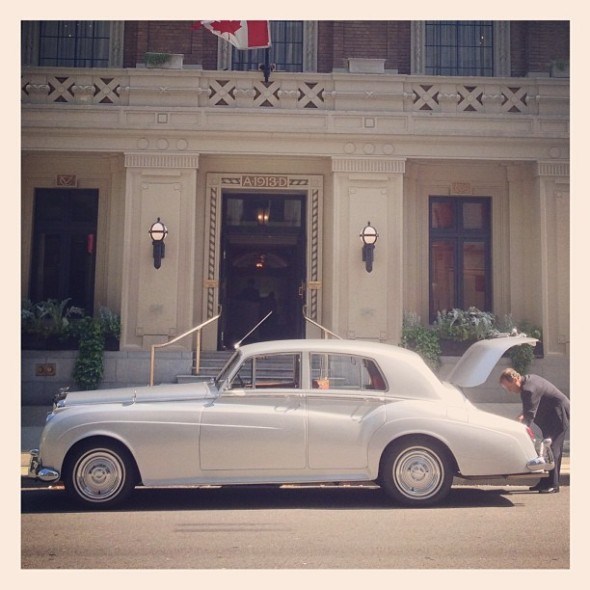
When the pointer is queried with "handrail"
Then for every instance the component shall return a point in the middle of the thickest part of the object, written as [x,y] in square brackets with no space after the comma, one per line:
[196,329]
[324,330]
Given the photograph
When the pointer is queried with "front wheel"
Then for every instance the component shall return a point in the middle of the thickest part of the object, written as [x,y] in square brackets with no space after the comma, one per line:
[416,471]
[99,474]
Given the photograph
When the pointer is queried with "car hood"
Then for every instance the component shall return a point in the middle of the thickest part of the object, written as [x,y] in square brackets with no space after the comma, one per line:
[159,393]
[475,366]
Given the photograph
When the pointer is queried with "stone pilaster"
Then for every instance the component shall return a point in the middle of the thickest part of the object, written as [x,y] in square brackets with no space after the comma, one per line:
[368,305]
[157,303]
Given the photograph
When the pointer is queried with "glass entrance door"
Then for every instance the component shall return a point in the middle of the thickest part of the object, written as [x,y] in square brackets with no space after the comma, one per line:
[263,267]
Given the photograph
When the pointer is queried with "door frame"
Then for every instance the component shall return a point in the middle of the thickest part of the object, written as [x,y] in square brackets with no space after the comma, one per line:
[217,185]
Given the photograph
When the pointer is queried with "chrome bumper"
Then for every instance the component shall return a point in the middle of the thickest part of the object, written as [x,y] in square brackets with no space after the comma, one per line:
[37,471]
[545,460]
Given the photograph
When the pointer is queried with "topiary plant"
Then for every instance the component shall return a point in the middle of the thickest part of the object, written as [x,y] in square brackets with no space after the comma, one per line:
[88,369]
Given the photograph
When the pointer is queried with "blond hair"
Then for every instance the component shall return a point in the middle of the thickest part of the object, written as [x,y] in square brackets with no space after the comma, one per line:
[510,375]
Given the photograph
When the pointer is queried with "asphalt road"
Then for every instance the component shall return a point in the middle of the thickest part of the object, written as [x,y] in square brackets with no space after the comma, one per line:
[481,527]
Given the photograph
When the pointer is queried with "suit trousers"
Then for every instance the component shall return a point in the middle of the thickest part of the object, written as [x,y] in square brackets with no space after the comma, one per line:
[557,440]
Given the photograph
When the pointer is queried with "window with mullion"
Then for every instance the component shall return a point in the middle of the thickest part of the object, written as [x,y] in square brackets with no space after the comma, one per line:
[460,254]
[459,48]
[286,50]
[74,43]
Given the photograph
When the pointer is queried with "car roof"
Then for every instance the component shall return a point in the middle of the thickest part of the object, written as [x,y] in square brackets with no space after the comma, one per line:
[357,347]
[472,369]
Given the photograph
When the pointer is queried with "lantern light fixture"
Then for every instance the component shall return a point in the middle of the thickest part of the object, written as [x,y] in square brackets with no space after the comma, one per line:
[158,232]
[369,236]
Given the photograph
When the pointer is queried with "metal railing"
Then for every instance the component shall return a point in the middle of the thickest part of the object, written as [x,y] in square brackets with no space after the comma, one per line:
[198,330]
[323,329]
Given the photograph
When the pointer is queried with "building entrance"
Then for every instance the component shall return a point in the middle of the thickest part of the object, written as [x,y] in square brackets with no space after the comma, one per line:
[263,267]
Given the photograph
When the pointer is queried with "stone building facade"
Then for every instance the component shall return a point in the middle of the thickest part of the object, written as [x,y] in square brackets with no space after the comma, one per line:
[362,132]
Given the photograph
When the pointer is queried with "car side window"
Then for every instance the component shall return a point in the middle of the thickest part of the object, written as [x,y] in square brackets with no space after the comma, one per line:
[350,372]
[272,371]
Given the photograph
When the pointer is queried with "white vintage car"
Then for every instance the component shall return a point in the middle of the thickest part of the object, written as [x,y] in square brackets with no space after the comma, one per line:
[292,411]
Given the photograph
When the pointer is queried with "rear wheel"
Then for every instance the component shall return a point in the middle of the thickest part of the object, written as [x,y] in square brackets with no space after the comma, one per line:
[416,471]
[100,474]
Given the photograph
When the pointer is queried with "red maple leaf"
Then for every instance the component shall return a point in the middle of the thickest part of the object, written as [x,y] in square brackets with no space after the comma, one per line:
[226,26]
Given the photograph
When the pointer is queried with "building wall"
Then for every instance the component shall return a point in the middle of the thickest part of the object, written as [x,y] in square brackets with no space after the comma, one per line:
[533,44]
[375,146]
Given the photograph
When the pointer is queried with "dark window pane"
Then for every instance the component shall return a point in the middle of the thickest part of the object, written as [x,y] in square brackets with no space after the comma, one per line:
[74,43]
[443,276]
[64,246]
[442,215]
[474,275]
[473,216]
[460,243]
[286,50]
[459,48]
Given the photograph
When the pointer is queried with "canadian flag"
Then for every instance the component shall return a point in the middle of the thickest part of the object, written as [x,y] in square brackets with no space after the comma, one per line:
[243,34]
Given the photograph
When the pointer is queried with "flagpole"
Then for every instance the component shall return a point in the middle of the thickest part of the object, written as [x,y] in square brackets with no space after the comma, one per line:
[266,66]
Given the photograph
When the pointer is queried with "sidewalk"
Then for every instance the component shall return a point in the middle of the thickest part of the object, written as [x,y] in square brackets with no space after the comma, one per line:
[33,419]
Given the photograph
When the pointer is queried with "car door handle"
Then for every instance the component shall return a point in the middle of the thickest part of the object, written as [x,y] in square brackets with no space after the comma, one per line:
[295,405]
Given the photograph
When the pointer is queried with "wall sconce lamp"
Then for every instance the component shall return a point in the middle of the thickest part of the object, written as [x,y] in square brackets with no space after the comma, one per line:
[158,232]
[369,236]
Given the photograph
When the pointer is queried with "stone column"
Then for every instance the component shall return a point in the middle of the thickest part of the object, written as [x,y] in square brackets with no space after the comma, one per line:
[367,305]
[553,188]
[157,304]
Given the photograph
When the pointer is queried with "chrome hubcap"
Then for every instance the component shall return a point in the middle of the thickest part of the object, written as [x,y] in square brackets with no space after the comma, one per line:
[418,473]
[99,475]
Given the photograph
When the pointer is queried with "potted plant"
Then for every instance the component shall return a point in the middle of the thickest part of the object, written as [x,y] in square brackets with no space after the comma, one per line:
[47,325]
[458,329]
[559,68]
[110,324]
[157,59]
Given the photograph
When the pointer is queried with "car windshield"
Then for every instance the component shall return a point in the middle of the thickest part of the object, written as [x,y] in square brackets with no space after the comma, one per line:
[227,369]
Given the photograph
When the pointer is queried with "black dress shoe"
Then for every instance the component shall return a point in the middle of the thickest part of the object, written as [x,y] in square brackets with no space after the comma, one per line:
[553,490]
[538,487]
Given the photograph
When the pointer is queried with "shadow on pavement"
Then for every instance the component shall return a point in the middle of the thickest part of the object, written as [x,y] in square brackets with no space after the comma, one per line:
[55,500]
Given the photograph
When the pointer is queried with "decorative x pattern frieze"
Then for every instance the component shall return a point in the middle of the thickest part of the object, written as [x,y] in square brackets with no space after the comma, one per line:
[426,98]
[514,100]
[266,94]
[222,93]
[311,95]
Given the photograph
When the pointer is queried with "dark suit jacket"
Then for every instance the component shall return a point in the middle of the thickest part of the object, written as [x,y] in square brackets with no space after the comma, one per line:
[545,405]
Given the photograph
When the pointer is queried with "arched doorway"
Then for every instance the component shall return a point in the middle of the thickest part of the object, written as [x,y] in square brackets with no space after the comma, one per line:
[262,266]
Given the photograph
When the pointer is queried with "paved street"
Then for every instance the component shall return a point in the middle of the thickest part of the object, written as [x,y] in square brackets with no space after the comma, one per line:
[299,528]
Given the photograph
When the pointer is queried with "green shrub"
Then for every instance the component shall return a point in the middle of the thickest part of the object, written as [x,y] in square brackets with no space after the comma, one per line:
[110,323]
[421,339]
[521,356]
[88,369]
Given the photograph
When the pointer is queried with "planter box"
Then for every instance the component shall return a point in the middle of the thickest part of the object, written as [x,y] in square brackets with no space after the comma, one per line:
[174,61]
[359,65]
[559,72]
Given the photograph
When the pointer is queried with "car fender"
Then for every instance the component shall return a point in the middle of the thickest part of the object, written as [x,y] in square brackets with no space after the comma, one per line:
[477,449]
[160,437]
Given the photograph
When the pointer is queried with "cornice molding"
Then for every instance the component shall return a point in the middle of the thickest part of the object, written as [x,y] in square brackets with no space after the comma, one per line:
[160,160]
[371,165]
[556,168]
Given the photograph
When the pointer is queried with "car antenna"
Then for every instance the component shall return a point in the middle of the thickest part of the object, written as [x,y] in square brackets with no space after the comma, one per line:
[237,344]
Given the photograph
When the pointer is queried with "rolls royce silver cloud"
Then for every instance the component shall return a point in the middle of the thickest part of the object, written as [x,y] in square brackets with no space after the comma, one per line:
[292,412]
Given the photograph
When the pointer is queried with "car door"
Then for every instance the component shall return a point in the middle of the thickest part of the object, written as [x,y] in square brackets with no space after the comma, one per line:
[258,423]
[345,406]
